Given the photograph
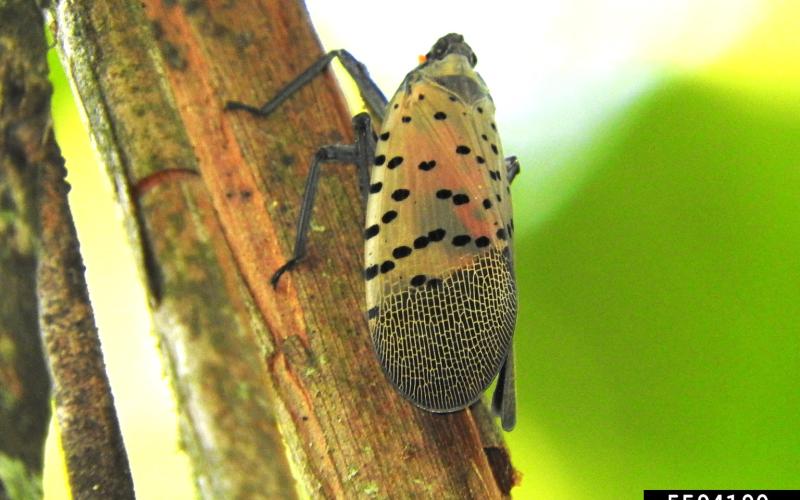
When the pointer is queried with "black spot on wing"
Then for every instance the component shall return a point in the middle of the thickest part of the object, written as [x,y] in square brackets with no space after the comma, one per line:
[401,252]
[371,231]
[400,194]
[461,240]
[460,199]
[389,216]
[427,165]
[443,194]
[395,162]
[371,272]
[437,234]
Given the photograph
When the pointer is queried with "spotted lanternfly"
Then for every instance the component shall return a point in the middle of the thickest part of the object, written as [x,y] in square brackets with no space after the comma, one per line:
[439,273]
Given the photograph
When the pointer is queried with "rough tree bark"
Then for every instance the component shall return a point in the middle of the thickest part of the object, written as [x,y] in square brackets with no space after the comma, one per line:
[97,465]
[41,238]
[211,200]
[24,381]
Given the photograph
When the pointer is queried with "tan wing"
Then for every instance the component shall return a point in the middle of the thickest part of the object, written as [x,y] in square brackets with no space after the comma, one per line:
[439,274]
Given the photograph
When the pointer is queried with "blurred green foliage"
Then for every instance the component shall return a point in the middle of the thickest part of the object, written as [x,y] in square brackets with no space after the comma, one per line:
[660,307]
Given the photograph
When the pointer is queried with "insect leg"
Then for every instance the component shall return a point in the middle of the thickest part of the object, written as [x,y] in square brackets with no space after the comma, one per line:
[359,153]
[364,153]
[512,168]
[372,95]
[325,154]
[504,399]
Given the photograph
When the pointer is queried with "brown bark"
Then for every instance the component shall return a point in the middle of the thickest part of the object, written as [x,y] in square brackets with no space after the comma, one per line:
[204,317]
[24,381]
[212,199]
[97,465]
[42,231]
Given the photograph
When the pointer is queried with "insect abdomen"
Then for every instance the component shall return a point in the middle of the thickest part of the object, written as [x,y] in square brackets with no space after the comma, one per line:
[442,343]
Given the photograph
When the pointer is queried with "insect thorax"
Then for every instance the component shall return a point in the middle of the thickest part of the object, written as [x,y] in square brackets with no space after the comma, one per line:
[453,73]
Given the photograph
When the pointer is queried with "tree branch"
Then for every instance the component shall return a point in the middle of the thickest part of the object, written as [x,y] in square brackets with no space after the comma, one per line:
[95,454]
[24,381]
[203,314]
[45,236]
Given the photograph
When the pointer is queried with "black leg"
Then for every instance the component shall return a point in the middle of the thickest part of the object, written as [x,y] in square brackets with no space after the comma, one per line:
[360,153]
[504,399]
[512,168]
[372,95]
[364,152]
